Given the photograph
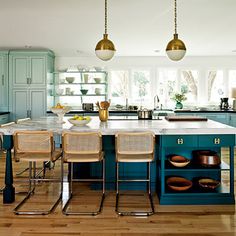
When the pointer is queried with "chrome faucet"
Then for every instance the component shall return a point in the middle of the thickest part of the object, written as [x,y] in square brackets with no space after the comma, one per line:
[156,102]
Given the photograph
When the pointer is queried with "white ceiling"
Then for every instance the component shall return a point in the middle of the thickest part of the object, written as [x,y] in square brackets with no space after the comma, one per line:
[137,27]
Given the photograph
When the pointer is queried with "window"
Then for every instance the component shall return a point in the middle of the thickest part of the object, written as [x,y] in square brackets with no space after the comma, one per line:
[216,85]
[140,87]
[189,85]
[134,85]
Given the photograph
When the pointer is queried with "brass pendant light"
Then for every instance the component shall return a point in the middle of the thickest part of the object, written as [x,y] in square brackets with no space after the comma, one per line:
[175,48]
[105,48]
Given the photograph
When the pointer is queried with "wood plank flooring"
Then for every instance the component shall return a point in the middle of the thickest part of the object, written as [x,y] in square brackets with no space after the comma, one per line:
[168,220]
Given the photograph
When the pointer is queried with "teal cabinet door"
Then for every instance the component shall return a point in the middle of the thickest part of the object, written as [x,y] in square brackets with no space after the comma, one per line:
[37,71]
[19,71]
[20,104]
[4,81]
[4,119]
[37,103]
[232,120]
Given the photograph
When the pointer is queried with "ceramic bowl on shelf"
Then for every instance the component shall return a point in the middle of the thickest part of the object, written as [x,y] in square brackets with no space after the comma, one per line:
[208,183]
[206,158]
[70,80]
[178,161]
[97,80]
[97,91]
[59,91]
[84,91]
[80,121]
[179,183]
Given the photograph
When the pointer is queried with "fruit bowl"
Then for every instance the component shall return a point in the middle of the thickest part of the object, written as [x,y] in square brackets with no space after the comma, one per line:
[79,120]
[60,111]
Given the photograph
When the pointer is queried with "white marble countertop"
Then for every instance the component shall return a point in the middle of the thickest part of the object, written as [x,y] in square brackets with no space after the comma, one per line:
[159,127]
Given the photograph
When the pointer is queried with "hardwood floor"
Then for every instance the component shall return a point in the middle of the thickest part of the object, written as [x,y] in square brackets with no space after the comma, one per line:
[168,220]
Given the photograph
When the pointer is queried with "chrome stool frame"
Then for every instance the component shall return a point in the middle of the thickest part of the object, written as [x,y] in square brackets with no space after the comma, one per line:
[129,159]
[77,154]
[27,153]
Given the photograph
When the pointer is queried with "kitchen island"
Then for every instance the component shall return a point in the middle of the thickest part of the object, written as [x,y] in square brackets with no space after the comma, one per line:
[171,137]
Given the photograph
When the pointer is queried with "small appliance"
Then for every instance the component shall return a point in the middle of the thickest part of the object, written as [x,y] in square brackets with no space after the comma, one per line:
[224,103]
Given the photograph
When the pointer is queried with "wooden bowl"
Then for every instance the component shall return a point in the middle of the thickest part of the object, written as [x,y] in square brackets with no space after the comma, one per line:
[178,161]
[206,158]
[179,183]
[208,183]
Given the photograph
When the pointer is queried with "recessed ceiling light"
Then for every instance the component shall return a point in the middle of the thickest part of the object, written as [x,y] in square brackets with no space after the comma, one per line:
[156,50]
[234,50]
[79,51]
[28,46]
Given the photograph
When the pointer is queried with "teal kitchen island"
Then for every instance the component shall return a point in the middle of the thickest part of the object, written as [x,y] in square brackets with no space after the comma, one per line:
[172,137]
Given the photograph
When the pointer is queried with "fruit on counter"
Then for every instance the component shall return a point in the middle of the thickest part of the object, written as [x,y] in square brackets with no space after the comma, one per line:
[59,106]
[76,117]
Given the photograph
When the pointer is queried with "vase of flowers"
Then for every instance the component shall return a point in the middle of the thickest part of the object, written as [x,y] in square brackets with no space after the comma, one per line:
[179,97]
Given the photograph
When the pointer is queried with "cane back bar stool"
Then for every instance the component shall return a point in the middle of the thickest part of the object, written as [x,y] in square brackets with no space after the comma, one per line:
[135,147]
[79,147]
[19,121]
[32,147]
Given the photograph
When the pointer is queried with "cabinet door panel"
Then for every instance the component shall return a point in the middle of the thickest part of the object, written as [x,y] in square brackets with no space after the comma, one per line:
[3,84]
[20,71]
[20,104]
[37,68]
[37,103]
[179,141]
[216,140]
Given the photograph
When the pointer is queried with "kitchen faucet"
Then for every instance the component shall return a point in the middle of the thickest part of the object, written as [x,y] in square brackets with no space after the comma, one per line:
[156,102]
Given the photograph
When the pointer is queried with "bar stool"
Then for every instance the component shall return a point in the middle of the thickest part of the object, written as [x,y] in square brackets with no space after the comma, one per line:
[135,147]
[81,147]
[19,121]
[32,147]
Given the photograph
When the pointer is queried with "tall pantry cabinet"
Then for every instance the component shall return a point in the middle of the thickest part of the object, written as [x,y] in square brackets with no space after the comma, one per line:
[3,80]
[28,75]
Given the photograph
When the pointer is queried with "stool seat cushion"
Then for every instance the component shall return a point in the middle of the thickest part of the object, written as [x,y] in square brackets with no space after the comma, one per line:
[38,157]
[134,157]
[83,157]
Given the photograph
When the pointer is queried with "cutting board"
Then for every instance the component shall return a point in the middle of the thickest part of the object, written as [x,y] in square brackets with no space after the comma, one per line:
[185,118]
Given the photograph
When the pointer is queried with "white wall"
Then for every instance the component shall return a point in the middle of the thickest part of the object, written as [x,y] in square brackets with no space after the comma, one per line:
[117,62]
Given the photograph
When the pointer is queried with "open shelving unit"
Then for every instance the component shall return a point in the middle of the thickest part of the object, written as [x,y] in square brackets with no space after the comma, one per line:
[184,145]
[70,94]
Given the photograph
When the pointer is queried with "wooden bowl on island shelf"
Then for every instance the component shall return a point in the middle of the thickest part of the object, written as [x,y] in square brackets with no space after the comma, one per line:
[178,161]
[179,183]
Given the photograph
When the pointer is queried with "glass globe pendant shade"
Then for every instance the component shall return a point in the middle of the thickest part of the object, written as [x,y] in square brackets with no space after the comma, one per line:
[105,49]
[176,49]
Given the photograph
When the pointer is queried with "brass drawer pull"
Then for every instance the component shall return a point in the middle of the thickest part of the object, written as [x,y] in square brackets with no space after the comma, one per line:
[180,141]
[216,140]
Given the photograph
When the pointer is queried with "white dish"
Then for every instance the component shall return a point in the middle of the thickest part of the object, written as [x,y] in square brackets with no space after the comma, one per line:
[79,122]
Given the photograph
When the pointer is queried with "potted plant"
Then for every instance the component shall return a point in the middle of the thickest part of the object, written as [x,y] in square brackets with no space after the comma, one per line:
[179,97]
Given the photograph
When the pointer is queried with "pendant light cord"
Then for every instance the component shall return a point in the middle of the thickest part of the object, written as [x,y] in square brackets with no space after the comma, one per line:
[105,16]
[175,16]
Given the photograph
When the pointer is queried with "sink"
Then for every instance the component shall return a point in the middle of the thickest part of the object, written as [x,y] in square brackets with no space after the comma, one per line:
[162,112]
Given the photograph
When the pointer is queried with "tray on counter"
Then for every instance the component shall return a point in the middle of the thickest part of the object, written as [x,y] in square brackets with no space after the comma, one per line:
[185,118]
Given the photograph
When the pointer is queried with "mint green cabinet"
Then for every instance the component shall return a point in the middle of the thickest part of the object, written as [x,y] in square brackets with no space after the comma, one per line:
[30,68]
[29,72]
[232,119]
[4,119]
[28,103]
[3,80]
